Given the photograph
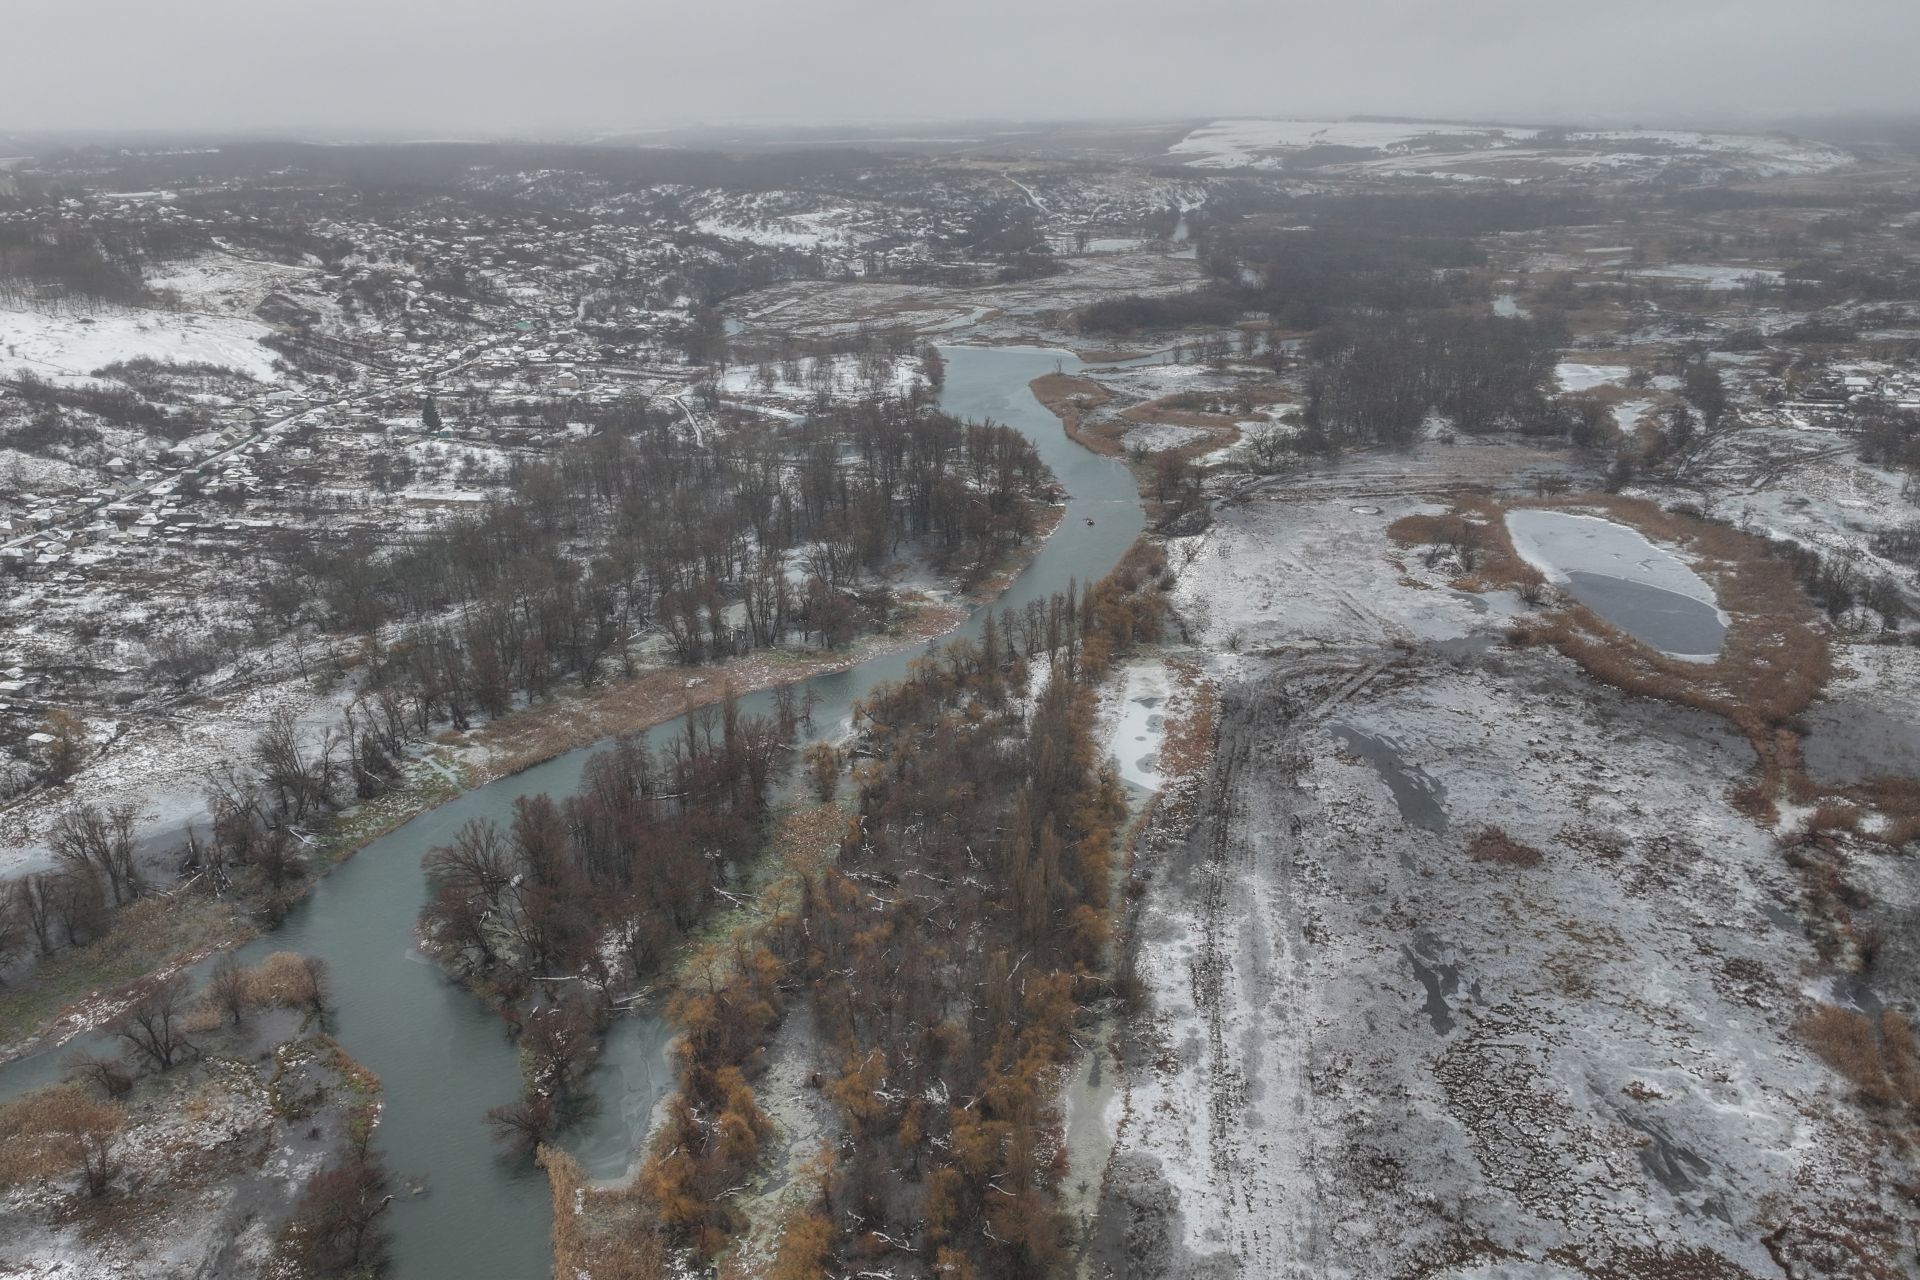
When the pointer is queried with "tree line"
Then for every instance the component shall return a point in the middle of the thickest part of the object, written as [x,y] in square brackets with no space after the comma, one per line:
[722,541]
[945,959]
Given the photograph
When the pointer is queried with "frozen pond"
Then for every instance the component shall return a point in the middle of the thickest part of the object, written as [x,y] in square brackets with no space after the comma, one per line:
[1141,727]
[1645,590]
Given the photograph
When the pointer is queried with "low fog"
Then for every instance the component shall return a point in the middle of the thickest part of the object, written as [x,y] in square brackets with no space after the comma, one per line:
[467,67]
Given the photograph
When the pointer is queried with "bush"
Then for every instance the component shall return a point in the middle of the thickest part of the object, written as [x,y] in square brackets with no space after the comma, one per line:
[1494,845]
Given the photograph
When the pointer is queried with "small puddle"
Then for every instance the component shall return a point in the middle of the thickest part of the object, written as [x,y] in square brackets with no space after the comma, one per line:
[1415,793]
[1647,591]
[1438,978]
[1858,992]
[1471,646]
[1672,1165]
[1849,742]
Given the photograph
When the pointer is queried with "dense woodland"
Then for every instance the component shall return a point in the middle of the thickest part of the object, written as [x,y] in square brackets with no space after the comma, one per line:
[734,541]
[603,884]
[724,544]
[945,960]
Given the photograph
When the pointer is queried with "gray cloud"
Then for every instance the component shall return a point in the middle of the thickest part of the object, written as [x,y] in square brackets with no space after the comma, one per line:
[465,67]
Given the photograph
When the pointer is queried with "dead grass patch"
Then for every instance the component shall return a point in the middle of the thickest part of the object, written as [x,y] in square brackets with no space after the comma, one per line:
[1879,1059]
[1495,845]
[599,1231]
[1187,745]
[1068,397]
[1160,411]
[1657,1262]
[1833,816]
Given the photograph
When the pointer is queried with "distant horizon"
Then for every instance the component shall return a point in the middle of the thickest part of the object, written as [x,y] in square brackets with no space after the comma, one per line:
[911,128]
[434,68]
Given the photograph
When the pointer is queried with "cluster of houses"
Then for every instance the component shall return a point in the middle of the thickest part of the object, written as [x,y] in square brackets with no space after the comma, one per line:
[1855,387]
[49,537]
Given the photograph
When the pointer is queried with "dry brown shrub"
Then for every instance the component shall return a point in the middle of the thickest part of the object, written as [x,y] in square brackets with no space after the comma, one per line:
[283,978]
[1898,799]
[1902,1056]
[1421,530]
[1067,397]
[1833,816]
[594,1230]
[1495,845]
[1756,801]
[58,1130]
[1845,1041]
[1901,830]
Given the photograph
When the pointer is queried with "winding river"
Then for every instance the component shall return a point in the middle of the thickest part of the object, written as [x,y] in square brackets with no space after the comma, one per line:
[443,1059]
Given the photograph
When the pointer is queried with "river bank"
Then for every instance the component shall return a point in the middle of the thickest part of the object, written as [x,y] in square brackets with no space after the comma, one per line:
[90,982]
[440,1052]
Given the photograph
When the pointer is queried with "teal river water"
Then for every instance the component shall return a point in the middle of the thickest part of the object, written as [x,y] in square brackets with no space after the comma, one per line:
[443,1059]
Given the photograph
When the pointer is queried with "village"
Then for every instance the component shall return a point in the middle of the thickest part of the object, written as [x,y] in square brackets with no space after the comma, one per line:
[340,484]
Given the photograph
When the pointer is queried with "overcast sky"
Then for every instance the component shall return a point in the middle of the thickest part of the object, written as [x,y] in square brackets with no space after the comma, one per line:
[474,67]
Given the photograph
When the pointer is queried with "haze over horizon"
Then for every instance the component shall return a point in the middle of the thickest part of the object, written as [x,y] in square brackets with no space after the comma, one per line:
[485,67]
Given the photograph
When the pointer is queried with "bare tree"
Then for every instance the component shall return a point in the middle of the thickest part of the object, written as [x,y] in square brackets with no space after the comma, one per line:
[525,1124]
[560,1042]
[154,1024]
[476,864]
[15,937]
[300,781]
[823,770]
[335,1224]
[30,901]
[79,904]
[230,989]
[100,843]
[113,1075]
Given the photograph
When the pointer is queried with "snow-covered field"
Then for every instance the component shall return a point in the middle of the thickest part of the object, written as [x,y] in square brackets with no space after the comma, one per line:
[841,375]
[1374,1051]
[1502,152]
[1155,437]
[159,765]
[1574,376]
[1711,277]
[226,282]
[1238,144]
[58,345]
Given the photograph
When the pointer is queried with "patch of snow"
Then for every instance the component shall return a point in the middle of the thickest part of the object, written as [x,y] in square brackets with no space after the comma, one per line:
[62,346]
[1584,377]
